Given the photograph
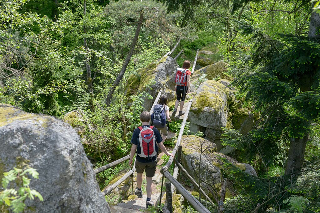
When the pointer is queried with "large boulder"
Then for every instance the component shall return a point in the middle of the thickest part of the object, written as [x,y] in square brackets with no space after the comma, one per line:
[66,178]
[158,76]
[217,70]
[209,111]
[200,159]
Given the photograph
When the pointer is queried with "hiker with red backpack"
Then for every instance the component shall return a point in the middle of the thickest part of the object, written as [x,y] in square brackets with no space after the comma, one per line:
[160,116]
[144,141]
[182,80]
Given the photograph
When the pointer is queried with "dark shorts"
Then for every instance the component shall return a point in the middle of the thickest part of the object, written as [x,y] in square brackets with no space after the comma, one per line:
[150,168]
[164,130]
[181,92]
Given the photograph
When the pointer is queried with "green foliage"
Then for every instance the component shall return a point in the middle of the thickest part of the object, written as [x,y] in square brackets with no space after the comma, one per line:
[16,189]
[296,203]
[110,174]
[175,126]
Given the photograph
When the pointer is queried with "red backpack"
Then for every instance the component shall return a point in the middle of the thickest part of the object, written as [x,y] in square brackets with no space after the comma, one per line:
[181,77]
[147,142]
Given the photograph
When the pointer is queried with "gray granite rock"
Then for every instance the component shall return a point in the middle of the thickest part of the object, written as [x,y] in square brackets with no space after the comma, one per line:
[66,179]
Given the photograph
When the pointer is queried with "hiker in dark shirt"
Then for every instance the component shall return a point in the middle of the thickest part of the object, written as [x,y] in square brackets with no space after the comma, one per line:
[146,160]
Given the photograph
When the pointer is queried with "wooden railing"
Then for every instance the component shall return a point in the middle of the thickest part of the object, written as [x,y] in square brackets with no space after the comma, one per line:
[173,183]
[129,173]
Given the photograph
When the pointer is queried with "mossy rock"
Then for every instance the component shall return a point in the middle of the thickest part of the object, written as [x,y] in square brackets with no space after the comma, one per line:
[138,81]
[210,95]
[208,55]
[211,162]
[193,143]
[75,119]
[218,71]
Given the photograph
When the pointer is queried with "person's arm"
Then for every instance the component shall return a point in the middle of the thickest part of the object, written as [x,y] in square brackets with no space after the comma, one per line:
[133,150]
[134,143]
[167,114]
[163,149]
[188,82]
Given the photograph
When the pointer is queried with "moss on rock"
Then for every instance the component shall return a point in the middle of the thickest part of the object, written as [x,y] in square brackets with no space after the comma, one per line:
[9,114]
[192,143]
[142,78]
[210,95]
[218,70]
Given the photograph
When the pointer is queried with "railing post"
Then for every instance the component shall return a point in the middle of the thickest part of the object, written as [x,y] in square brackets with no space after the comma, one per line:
[169,196]
[179,152]
[200,174]
[158,203]
[132,183]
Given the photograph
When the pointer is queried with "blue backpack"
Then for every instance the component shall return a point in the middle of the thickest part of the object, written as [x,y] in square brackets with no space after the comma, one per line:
[158,117]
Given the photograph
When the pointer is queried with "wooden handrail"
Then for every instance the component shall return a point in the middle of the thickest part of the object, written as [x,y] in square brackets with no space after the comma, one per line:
[195,62]
[171,51]
[186,194]
[168,164]
[175,58]
[113,186]
[114,163]
[155,102]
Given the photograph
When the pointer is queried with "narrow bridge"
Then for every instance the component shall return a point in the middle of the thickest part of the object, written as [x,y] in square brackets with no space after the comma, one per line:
[172,184]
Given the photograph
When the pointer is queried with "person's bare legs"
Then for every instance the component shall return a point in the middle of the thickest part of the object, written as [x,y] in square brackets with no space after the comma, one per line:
[139,180]
[181,105]
[175,108]
[149,190]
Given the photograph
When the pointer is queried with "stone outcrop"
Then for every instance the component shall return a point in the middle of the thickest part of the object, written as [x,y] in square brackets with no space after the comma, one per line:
[155,77]
[206,57]
[209,165]
[66,178]
[209,111]
[217,70]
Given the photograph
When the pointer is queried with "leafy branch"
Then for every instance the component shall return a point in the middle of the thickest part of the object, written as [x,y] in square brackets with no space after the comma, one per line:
[13,198]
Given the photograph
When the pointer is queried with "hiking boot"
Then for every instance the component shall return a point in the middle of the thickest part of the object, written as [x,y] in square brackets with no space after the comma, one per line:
[174,112]
[149,204]
[181,113]
[138,192]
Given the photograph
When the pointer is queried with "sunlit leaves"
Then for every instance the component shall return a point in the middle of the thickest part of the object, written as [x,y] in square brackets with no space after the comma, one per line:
[16,189]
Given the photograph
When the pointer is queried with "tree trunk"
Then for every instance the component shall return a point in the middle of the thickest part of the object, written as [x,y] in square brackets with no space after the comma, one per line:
[314,26]
[126,62]
[296,155]
[298,145]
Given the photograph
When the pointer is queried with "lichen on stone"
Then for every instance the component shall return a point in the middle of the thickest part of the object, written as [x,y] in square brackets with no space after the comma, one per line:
[8,114]
[218,71]
[141,79]
[210,95]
